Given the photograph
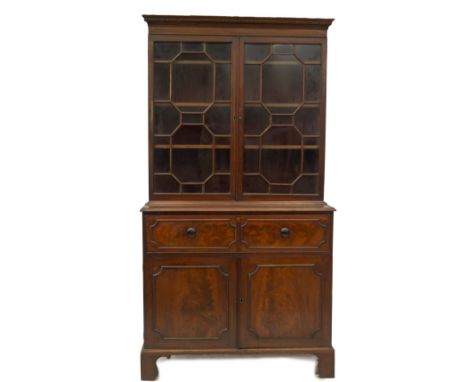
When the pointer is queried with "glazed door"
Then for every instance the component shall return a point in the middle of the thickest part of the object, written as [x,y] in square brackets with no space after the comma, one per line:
[282,103]
[192,101]
[189,301]
[285,301]
[236,118]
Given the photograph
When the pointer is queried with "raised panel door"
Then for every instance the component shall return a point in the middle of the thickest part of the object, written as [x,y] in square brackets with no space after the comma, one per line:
[189,301]
[284,301]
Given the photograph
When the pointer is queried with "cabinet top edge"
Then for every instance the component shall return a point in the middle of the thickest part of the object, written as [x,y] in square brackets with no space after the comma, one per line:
[236,206]
[155,20]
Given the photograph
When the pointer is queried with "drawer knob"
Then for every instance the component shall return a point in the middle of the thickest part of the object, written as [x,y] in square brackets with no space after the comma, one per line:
[285,232]
[191,232]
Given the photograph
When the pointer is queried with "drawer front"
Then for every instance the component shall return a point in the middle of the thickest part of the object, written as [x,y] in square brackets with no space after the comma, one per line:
[197,234]
[311,232]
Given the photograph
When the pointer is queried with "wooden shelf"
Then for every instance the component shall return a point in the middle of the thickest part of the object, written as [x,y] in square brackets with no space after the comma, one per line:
[214,146]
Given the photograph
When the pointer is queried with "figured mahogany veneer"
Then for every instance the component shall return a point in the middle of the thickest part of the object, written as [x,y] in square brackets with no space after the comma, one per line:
[310,232]
[192,301]
[285,301]
[237,240]
[179,233]
[170,233]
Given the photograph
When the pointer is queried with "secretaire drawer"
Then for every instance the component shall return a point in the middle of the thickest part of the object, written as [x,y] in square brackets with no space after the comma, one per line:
[164,233]
[310,232]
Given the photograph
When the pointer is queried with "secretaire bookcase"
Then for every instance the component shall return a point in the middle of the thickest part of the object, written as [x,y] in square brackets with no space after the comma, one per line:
[237,254]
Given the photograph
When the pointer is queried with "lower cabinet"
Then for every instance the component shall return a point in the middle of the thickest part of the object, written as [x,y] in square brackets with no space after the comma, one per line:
[237,301]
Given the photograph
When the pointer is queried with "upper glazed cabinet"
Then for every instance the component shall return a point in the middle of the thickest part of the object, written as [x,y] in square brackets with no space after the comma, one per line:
[237,117]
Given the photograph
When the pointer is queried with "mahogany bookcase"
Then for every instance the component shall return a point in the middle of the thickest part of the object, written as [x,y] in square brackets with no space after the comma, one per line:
[237,255]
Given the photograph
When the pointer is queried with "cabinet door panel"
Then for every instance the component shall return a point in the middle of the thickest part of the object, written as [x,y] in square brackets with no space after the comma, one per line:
[189,302]
[285,301]
[283,118]
[191,114]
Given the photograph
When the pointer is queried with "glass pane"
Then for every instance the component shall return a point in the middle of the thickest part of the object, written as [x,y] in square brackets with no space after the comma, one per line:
[192,46]
[219,51]
[191,165]
[162,139]
[311,161]
[223,140]
[251,161]
[307,120]
[282,119]
[256,119]
[223,82]
[222,159]
[218,184]
[161,160]
[192,188]
[192,118]
[281,166]
[282,48]
[311,141]
[285,58]
[166,118]
[166,50]
[218,119]
[189,58]
[252,141]
[282,83]
[308,52]
[192,108]
[275,109]
[192,82]
[251,82]
[256,52]
[165,184]
[255,184]
[281,135]
[192,135]
[306,184]
[280,189]
[312,83]
[161,81]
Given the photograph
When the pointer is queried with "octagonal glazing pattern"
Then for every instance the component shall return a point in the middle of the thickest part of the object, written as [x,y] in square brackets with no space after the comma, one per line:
[191,114]
[282,111]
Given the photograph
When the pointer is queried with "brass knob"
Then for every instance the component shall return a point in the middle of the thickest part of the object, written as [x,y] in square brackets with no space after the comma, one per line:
[284,232]
[191,232]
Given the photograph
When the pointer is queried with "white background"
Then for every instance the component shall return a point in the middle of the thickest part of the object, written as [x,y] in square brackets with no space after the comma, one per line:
[73,176]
